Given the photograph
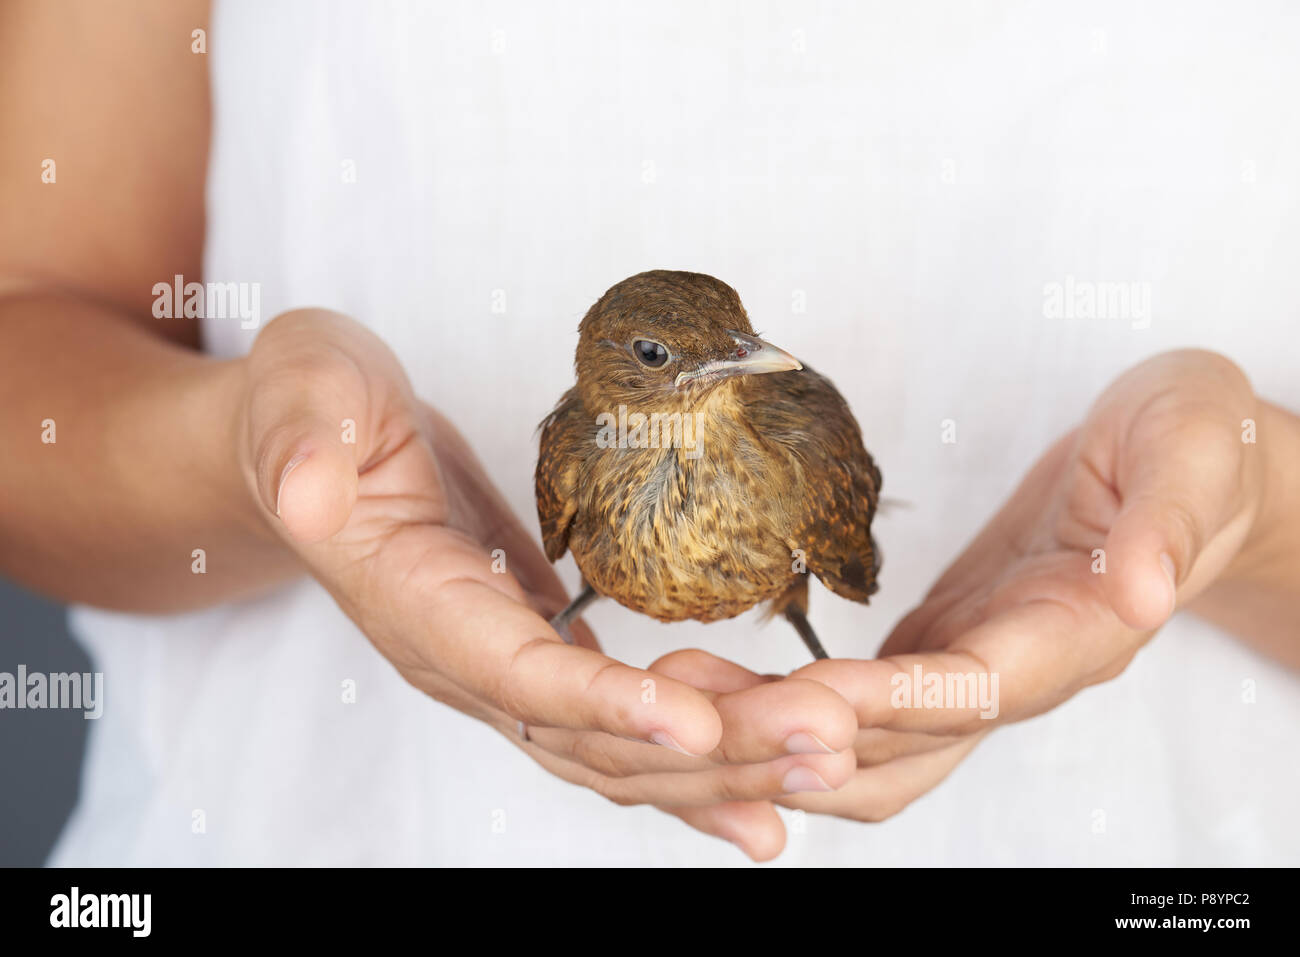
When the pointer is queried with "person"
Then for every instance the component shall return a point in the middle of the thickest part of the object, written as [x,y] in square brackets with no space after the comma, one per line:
[426,201]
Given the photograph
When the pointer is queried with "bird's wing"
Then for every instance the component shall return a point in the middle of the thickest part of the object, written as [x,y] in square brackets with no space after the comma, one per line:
[556,478]
[839,485]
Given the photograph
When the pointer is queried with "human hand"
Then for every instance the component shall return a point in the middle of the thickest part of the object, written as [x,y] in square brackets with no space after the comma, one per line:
[1134,513]
[388,508]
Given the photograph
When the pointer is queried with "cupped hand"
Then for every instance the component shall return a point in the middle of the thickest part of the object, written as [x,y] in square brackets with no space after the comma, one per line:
[388,508]
[1124,519]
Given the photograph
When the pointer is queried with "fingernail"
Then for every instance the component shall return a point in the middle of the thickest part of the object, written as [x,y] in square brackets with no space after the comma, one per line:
[803,779]
[666,740]
[1167,564]
[805,742]
[292,464]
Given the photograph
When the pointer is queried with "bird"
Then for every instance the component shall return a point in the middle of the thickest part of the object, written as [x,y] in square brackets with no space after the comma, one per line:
[695,470]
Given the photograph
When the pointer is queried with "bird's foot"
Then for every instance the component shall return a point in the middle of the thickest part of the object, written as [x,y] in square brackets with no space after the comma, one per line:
[561,626]
[562,622]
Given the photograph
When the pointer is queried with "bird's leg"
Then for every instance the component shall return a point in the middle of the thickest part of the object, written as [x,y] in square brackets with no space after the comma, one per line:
[793,604]
[562,621]
[795,616]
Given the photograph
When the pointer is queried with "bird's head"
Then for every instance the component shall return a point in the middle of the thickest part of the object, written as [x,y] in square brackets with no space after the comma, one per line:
[662,341]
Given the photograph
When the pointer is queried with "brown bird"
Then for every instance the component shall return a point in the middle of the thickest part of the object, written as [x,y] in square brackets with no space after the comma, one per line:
[696,470]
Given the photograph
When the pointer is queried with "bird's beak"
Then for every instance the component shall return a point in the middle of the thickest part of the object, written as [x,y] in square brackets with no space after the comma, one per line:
[751,356]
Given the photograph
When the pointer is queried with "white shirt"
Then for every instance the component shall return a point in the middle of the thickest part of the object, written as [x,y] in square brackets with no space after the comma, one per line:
[893,190]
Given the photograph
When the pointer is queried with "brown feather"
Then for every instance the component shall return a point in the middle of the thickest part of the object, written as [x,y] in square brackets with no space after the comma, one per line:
[782,479]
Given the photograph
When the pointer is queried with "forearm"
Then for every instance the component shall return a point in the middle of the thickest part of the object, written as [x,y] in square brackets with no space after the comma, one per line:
[120,462]
[1257,597]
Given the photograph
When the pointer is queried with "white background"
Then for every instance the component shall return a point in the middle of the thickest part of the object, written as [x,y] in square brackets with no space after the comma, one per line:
[918,173]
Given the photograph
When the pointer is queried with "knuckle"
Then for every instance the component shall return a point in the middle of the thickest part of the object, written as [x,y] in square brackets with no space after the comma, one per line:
[727,752]
[1184,526]
[724,785]
[589,751]
[510,695]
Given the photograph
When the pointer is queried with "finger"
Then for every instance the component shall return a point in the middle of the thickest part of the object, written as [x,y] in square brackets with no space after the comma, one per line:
[1039,637]
[933,693]
[946,621]
[1016,664]
[523,558]
[308,402]
[877,794]
[616,757]
[916,625]
[792,716]
[1174,501]
[505,653]
[703,670]
[1180,475]
[478,508]
[879,745]
[759,724]
[751,782]
[305,474]
[549,605]
[620,758]
[741,782]
[306,477]
[764,717]
[753,826]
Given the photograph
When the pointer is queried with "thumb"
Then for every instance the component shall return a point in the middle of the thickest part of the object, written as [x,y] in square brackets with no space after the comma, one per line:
[313,376]
[1176,493]
[307,476]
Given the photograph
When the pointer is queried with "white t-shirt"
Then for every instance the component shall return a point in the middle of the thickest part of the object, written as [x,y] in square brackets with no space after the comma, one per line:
[894,190]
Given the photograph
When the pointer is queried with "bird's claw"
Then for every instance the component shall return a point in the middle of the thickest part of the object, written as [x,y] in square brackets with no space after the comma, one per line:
[561,627]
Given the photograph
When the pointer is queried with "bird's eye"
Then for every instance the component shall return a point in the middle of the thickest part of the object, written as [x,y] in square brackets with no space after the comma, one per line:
[650,353]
